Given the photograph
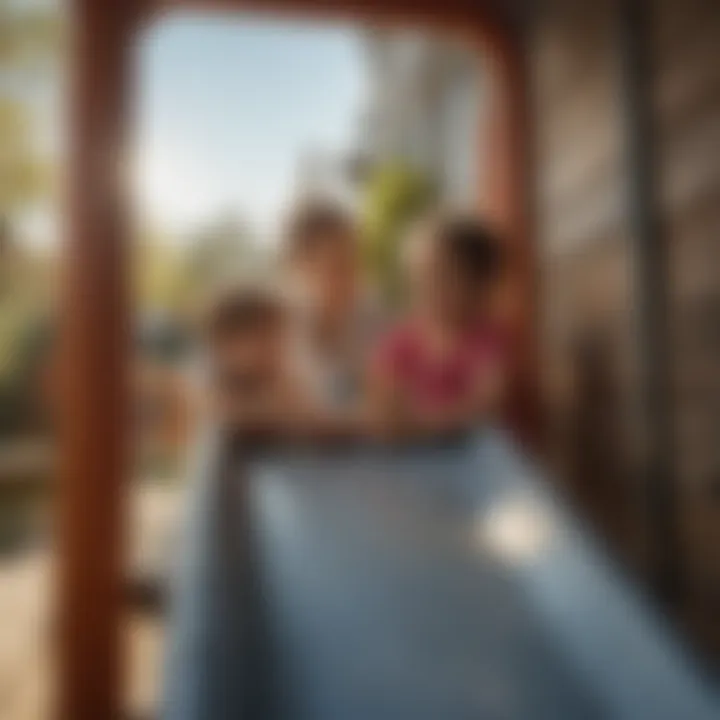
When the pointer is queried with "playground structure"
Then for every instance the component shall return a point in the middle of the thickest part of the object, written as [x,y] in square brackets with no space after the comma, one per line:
[94,461]
[96,322]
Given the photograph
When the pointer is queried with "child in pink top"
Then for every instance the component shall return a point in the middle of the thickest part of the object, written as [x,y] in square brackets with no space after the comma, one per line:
[440,369]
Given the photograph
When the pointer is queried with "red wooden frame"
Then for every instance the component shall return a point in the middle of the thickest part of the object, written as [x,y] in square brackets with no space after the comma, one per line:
[97,308]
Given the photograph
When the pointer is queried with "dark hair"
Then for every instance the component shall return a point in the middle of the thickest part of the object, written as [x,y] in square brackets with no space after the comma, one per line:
[316,223]
[472,247]
[242,310]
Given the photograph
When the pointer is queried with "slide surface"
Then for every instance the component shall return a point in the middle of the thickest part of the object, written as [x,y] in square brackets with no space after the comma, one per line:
[442,583]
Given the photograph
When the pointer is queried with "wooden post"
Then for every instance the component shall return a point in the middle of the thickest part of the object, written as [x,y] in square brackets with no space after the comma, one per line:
[94,346]
[506,199]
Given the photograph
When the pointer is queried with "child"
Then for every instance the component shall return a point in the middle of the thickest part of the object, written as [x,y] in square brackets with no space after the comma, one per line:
[335,323]
[440,370]
[254,386]
[251,386]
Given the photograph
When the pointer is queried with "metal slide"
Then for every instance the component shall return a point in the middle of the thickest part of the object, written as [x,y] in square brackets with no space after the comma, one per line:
[441,583]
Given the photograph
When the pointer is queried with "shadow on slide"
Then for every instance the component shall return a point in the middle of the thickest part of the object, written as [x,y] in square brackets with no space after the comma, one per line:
[443,583]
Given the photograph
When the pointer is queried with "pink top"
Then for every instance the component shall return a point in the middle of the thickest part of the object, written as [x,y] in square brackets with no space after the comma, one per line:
[432,380]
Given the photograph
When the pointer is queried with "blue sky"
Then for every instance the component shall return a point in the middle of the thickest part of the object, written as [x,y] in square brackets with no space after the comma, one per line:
[227,106]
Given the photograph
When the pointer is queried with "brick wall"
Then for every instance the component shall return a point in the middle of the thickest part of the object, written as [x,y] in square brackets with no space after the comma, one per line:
[590,345]
[584,257]
[686,93]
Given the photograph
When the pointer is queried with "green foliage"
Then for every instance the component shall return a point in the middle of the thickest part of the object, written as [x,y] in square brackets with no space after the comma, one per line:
[27,283]
[174,274]
[23,349]
[156,271]
[24,173]
[30,49]
[396,194]
[31,38]
[31,35]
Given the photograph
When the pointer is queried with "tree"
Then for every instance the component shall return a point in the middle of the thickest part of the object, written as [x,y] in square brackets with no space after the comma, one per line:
[157,269]
[224,250]
[174,274]
[24,174]
[30,52]
[396,194]
[30,35]
[30,49]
